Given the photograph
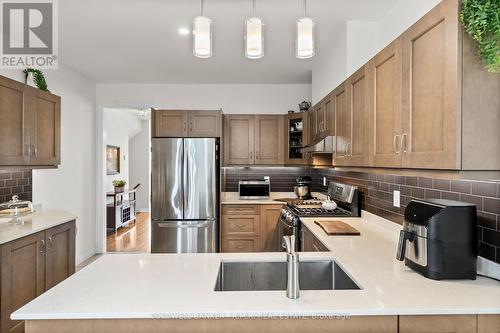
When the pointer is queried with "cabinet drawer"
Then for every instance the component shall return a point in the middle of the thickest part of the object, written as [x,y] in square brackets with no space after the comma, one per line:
[240,210]
[243,225]
[240,244]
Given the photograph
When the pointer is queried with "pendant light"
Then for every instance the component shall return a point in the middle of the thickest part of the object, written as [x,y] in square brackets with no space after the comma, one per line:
[304,35]
[202,34]
[254,39]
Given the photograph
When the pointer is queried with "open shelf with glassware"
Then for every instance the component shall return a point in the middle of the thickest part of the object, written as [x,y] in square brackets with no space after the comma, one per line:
[295,138]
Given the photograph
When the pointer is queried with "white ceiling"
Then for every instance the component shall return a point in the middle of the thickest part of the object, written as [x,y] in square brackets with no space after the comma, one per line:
[137,41]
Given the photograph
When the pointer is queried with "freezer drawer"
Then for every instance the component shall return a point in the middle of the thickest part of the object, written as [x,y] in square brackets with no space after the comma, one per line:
[183,236]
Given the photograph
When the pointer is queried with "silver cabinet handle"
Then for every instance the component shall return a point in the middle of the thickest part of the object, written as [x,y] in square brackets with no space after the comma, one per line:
[183,226]
[42,246]
[404,142]
[251,155]
[49,244]
[395,144]
[190,126]
[35,150]
[184,127]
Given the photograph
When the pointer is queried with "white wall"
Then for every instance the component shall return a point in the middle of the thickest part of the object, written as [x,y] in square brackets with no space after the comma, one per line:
[119,127]
[232,98]
[355,42]
[139,152]
[71,186]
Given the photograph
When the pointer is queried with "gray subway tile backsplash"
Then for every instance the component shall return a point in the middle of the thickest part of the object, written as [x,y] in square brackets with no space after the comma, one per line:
[377,193]
[15,182]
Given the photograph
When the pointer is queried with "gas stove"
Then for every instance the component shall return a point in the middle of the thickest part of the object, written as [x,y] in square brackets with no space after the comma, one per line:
[314,209]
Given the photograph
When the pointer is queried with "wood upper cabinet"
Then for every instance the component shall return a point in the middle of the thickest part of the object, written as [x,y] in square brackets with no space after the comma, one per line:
[431,90]
[45,128]
[269,139]
[253,139]
[30,266]
[238,139]
[342,125]
[186,123]
[15,130]
[383,124]
[22,280]
[357,109]
[31,135]
[170,123]
[60,253]
[204,124]
[296,137]
[438,324]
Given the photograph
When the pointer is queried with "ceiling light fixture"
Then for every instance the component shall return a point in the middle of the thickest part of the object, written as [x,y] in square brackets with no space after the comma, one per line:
[183,31]
[254,36]
[202,34]
[304,35]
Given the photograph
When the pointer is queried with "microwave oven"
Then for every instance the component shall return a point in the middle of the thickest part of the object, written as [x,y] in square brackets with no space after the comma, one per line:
[254,189]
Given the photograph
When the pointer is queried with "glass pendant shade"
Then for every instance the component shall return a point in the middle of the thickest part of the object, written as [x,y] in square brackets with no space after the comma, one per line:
[202,37]
[254,38]
[304,38]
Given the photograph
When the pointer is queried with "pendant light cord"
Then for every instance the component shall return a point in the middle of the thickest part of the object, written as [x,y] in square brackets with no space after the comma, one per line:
[305,7]
[253,8]
[202,4]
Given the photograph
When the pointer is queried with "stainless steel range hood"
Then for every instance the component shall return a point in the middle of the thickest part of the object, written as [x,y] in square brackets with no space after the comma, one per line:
[326,145]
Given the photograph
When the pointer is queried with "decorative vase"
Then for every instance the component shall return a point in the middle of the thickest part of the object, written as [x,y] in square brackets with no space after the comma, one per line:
[304,106]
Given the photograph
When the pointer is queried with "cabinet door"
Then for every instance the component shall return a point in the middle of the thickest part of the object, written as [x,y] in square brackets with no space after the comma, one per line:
[14,134]
[329,107]
[431,90]
[170,123]
[319,117]
[488,323]
[384,107]
[269,139]
[238,140]
[342,125]
[438,324]
[240,244]
[356,97]
[60,253]
[45,128]
[269,227]
[240,225]
[22,277]
[306,240]
[204,124]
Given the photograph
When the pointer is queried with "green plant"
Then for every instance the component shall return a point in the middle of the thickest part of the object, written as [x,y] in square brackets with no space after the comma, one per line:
[38,78]
[481,20]
[119,183]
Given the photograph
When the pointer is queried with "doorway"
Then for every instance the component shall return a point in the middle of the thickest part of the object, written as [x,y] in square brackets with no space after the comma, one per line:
[126,143]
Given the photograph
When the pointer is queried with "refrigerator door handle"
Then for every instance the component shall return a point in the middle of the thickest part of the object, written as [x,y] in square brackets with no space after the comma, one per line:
[184,225]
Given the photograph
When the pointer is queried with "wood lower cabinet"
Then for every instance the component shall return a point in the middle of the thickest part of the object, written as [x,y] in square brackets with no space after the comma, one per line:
[31,265]
[31,131]
[384,107]
[438,324]
[310,243]
[250,228]
[59,253]
[253,140]
[488,323]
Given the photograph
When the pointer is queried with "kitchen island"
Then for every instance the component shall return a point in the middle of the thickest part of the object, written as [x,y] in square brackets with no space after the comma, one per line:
[153,292]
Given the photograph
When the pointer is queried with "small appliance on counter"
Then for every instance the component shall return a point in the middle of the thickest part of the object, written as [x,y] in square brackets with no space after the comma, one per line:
[254,189]
[303,190]
[439,239]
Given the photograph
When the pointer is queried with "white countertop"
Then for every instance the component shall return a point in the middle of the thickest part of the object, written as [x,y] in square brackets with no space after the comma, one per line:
[182,286]
[232,198]
[32,223]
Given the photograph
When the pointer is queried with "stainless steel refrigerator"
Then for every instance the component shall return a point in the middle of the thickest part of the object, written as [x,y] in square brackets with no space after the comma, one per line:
[184,195]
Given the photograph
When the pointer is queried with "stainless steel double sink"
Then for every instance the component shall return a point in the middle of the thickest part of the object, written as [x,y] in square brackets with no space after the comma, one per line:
[271,275]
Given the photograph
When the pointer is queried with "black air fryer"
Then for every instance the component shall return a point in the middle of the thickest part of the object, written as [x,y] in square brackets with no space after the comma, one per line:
[439,239]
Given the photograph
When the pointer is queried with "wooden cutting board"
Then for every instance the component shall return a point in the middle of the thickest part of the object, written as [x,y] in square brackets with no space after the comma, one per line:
[337,227]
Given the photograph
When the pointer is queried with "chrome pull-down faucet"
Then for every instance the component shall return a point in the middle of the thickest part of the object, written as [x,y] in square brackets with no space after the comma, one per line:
[292,263]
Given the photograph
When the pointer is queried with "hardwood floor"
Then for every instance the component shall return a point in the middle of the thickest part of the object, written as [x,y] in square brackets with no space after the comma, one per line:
[134,238]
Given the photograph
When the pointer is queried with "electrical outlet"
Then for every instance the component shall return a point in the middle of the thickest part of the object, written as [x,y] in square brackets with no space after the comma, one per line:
[267,178]
[325,182]
[396,199]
